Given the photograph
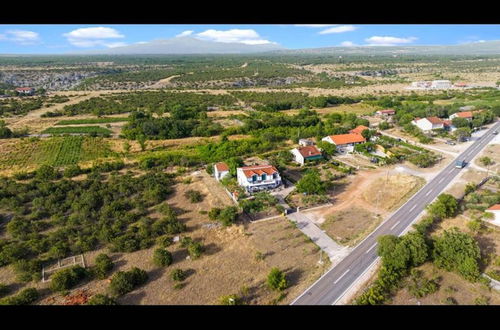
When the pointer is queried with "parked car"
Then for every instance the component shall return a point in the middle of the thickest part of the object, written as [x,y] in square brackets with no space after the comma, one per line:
[460,164]
[495,132]
[451,143]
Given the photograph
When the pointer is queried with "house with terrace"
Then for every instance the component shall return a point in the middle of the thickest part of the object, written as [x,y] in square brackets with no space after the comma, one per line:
[345,142]
[258,177]
[308,153]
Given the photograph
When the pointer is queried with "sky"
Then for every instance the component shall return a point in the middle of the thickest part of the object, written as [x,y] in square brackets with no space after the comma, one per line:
[60,39]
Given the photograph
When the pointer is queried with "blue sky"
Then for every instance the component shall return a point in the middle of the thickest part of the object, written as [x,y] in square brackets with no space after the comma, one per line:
[60,39]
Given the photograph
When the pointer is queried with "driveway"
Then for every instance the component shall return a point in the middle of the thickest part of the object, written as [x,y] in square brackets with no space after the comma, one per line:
[335,252]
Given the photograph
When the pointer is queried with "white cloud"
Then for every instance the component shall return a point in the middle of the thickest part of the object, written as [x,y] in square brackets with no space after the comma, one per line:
[347,44]
[185,33]
[315,25]
[94,37]
[388,41]
[22,37]
[244,36]
[339,29]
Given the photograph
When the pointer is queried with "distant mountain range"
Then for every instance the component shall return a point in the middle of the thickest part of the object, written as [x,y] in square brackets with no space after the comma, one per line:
[190,45]
[186,45]
[476,48]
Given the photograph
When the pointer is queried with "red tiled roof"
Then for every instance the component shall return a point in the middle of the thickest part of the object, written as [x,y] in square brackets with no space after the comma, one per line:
[495,207]
[434,120]
[259,170]
[447,122]
[309,151]
[347,138]
[24,88]
[359,129]
[465,114]
[221,167]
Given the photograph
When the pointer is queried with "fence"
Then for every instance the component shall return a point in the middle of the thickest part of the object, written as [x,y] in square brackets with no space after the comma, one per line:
[61,264]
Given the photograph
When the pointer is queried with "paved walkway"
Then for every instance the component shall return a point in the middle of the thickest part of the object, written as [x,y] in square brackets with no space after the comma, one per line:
[334,251]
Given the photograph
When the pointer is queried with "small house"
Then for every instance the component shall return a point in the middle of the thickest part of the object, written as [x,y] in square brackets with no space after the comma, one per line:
[495,209]
[305,142]
[428,123]
[221,170]
[359,129]
[307,153]
[25,90]
[345,142]
[386,113]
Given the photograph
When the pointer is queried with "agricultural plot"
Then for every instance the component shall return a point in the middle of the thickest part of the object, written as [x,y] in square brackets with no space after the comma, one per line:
[91,121]
[56,151]
[78,130]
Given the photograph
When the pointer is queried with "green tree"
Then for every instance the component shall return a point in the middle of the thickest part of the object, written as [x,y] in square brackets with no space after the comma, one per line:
[103,265]
[178,275]
[142,141]
[276,280]
[311,183]
[67,278]
[162,258]
[328,149]
[457,251]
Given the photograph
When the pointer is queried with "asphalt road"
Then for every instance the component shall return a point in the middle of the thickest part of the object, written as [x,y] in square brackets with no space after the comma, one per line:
[333,284]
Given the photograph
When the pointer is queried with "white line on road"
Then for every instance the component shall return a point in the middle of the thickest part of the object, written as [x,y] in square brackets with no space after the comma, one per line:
[441,180]
[374,245]
[347,271]
[428,192]
[397,223]
[414,206]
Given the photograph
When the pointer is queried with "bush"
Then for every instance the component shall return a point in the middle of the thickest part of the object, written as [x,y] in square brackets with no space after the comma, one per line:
[67,278]
[178,275]
[195,249]
[311,183]
[162,258]
[193,196]
[46,172]
[4,289]
[25,297]
[101,299]
[72,170]
[420,286]
[457,251]
[124,282]
[230,300]
[103,265]
[164,241]
[276,280]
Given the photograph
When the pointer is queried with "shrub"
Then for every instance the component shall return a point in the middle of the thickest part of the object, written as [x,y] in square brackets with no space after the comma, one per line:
[164,241]
[124,282]
[67,278]
[193,196]
[230,300]
[71,171]
[162,258]
[101,299]
[4,289]
[178,275]
[276,280]
[420,286]
[25,297]
[311,183]
[103,265]
[195,249]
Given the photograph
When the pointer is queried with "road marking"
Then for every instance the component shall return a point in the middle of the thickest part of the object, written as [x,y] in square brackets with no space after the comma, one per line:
[414,206]
[451,171]
[371,248]
[428,193]
[441,180]
[397,223]
[347,271]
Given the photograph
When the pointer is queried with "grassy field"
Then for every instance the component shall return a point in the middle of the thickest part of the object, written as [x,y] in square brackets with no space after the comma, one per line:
[91,121]
[78,130]
[55,151]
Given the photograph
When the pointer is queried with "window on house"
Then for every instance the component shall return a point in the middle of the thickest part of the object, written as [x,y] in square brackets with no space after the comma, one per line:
[264,176]
[254,177]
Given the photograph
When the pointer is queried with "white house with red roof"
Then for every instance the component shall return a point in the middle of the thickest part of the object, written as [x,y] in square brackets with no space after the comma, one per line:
[307,153]
[258,177]
[25,90]
[495,209]
[428,123]
[220,170]
[345,142]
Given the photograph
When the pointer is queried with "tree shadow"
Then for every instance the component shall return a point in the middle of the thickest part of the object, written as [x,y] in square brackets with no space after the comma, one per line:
[179,255]
[487,247]
[211,249]
[293,275]
[132,298]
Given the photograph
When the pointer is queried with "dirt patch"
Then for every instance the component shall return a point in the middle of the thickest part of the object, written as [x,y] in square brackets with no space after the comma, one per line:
[392,191]
[349,226]
[450,285]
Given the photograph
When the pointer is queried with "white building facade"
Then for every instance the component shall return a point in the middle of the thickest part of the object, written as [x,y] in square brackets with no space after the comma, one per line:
[258,178]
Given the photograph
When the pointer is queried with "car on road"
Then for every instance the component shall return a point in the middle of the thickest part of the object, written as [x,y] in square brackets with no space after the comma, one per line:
[495,132]
[460,164]
[451,143]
